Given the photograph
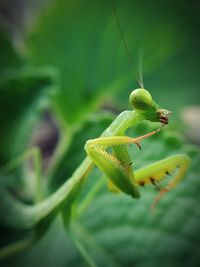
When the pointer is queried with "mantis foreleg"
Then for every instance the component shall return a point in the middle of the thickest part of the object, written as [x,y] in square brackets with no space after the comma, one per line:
[116,166]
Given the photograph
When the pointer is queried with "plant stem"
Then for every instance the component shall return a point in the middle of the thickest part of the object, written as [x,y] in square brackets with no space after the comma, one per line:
[61,149]
[16,247]
[90,196]
[28,216]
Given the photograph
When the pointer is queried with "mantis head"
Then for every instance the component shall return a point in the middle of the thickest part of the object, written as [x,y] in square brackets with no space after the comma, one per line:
[141,100]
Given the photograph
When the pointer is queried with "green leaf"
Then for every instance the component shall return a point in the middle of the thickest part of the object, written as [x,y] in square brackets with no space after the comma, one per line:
[22,92]
[134,235]
[82,40]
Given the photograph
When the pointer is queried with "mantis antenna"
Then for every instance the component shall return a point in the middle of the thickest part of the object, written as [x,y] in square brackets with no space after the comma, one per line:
[139,76]
[140,71]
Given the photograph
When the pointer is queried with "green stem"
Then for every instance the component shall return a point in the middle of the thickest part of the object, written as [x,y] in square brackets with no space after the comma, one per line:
[93,253]
[90,196]
[39,188]
[28,216]
[61,149]
[83,251]
[16,247]
[34,154]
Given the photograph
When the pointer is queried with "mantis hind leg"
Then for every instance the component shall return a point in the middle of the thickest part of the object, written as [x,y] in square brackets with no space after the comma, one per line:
[173,167]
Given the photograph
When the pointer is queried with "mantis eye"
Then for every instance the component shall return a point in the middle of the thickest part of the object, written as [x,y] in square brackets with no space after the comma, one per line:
[140,99]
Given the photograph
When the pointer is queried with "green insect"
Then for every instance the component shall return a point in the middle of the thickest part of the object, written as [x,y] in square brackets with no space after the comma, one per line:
[117,165]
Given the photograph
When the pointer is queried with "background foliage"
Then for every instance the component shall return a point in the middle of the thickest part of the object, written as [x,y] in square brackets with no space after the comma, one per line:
[67,58]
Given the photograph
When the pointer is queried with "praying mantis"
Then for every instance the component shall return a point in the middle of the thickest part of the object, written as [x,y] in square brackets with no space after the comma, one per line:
[117,166]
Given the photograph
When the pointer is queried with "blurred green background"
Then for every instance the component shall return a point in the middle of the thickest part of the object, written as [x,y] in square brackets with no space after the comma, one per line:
[64,69]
